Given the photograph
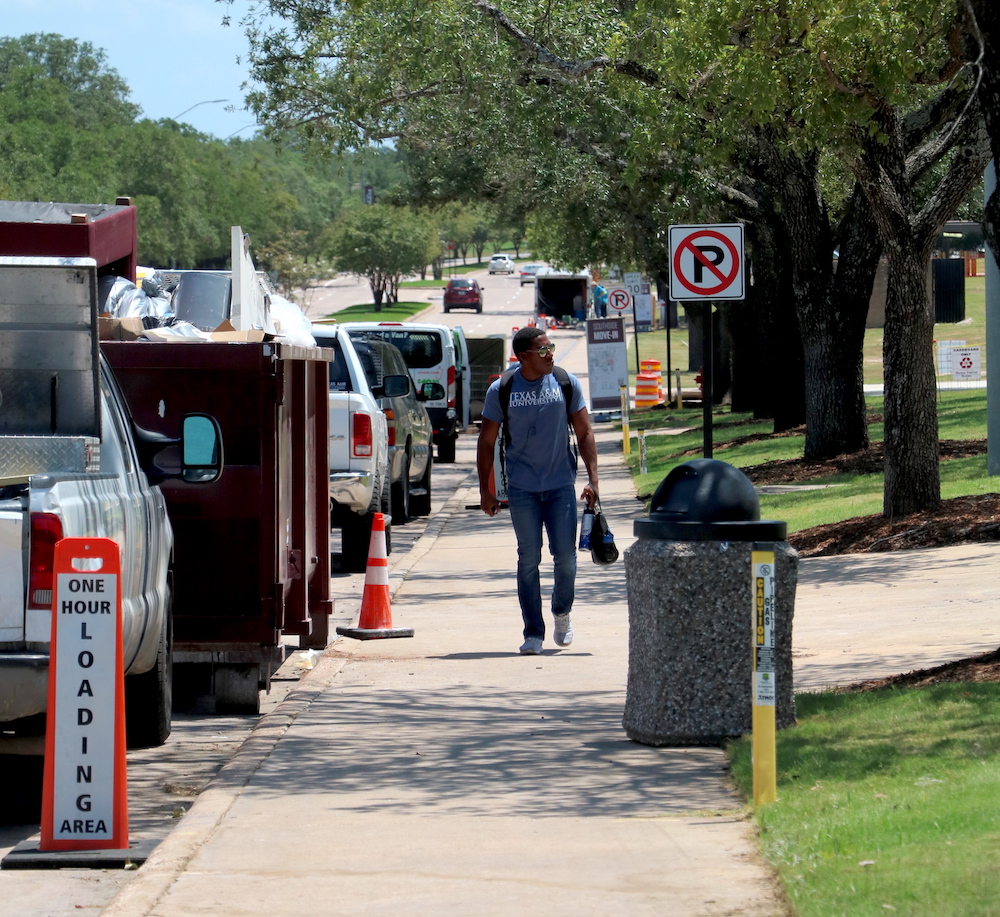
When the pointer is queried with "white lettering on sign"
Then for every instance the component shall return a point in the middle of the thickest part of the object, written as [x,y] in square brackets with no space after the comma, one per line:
[83,796]
[607,361]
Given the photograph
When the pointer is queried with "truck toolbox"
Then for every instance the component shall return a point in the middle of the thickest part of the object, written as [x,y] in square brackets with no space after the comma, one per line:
[252,550]
[70,467]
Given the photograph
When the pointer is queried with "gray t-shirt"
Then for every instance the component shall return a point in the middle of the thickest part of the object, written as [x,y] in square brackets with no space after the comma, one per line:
[539,455]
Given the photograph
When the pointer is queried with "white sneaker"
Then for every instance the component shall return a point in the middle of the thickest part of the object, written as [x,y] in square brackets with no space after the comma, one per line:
[532,646]
[563,635]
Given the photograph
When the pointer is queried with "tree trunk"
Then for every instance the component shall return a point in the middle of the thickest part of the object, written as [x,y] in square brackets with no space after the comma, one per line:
[767,344]
[832,333]
[696,335]
[377,283]
[912,475]
[722,350]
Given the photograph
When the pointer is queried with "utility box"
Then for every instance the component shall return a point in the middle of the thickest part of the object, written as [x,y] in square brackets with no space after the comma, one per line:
[252,555]
[691,611]
[949,289]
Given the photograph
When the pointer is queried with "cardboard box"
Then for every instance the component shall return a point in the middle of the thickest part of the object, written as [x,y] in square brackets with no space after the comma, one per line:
[119,329]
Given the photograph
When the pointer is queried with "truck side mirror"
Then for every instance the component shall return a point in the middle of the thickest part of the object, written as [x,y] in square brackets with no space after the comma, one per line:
[395,386]
[201,449]
[196,457]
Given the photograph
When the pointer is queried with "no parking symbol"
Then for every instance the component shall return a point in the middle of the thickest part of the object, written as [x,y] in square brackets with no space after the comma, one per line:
[619,300]
[706,262]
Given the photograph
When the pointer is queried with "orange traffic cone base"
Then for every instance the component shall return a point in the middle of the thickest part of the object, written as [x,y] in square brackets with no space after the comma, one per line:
[375,620]
[362,633]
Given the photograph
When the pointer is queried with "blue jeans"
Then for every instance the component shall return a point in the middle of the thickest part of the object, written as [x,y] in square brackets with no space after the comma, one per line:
[556,511]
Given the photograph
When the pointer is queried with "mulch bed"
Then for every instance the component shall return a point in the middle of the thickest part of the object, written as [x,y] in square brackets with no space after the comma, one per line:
[961,520]
[976,668]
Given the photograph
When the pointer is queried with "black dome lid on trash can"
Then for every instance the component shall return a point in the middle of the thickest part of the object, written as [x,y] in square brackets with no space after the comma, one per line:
[707,500]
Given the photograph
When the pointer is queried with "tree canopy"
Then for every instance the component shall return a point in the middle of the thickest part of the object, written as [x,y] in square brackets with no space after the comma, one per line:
[661,111]
[69,132]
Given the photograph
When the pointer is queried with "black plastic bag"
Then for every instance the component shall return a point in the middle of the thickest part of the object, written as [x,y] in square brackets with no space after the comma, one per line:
[603,549]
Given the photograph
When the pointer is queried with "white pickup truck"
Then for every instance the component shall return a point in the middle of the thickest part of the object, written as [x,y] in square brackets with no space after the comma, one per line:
[73,464]
[359,450]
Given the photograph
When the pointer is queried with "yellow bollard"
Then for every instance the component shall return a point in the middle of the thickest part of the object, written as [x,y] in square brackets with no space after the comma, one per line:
[765,765]
[626,435]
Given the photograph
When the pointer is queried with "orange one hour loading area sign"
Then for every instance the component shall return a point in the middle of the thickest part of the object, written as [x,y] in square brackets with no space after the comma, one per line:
[706,262]
[84,802]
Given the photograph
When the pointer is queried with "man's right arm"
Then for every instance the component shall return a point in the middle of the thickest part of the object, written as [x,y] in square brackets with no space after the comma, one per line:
[485,447]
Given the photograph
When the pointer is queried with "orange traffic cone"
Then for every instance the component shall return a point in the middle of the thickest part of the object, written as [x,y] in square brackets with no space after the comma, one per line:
[375,621]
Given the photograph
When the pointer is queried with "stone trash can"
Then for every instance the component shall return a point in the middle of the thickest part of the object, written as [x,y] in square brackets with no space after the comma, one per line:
[691,613]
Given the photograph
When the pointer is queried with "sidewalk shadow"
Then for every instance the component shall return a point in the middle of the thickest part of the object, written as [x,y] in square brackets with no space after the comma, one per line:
[487,750]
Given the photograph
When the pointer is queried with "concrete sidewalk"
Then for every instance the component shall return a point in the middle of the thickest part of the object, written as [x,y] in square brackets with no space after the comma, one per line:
[446,774]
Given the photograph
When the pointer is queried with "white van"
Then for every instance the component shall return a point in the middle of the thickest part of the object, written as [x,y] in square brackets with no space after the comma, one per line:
[438,360]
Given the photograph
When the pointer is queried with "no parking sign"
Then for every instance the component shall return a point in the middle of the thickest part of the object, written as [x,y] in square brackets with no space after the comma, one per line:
[619,300]
[706,262]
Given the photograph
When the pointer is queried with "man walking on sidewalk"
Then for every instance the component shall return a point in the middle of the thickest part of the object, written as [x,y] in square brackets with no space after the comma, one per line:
[530,406]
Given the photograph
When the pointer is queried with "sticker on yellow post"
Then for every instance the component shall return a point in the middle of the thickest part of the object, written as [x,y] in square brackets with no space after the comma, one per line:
[765,767]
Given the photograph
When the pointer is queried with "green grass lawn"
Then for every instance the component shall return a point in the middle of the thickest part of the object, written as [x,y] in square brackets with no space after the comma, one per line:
[888,803]
[972,331]
[391,312]
[961,416]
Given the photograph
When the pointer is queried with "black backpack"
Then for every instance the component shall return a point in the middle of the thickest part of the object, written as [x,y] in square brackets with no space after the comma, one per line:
[506,384]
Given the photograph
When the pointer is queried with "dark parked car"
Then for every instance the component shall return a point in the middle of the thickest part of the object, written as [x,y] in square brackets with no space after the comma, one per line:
[463,293]
[410,431]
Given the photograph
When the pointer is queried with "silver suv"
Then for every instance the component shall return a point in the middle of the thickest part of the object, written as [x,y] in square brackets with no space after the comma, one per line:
[501,263]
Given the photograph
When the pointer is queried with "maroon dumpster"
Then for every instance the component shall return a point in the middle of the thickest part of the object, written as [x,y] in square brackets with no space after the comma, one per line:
[252,550]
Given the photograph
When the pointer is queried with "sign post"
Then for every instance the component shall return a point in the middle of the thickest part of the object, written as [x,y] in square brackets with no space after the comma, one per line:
[84,800]
[626,430]
[706,264]
[633,283]
[765,767]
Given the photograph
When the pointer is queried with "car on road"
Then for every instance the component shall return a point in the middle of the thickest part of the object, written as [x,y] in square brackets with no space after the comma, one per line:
[502,264]
[409,426]
[528,272]
[463,293]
